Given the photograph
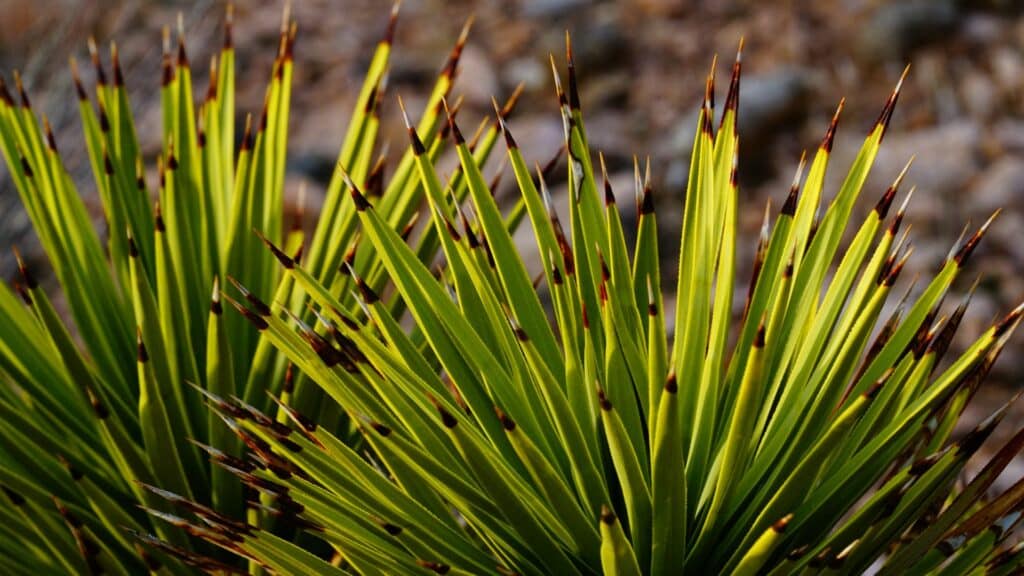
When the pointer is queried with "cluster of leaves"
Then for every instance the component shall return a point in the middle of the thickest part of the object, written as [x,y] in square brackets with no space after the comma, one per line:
[398,398]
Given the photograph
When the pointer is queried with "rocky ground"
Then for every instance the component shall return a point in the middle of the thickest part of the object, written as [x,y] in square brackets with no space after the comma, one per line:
[641,64]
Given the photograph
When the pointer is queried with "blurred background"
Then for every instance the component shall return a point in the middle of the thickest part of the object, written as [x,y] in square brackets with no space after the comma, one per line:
[642,65]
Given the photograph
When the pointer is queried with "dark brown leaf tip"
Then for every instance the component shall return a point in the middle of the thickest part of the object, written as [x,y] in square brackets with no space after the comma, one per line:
[133,250]
[26,275]
[437,567]
[389,33]
[5,95]
[830,134]
[368,294]
[574,94]
[732,97]
[357,197]
[229,21]
[922,465]
[647,202]
[76,79]
[760,336]
[247,134]
[260,306]
[875,388]
[890,104]
[447,418]
[22,93]
[158,218]
[510,142]
[780,526]
[885,202]
[1008,322]
[51,141]
[283,258]
[23,293]
[967,249]
[789,207]
[26,167]
[603,401]
[452,126]
[98,408]
[94,55]
[607,515]
[15,498]
[452,64]
[506,421]
[414,138]
[670,384]
[115,62]
[140,347]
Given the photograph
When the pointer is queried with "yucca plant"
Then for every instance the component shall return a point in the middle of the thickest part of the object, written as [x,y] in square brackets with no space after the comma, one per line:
[401,399]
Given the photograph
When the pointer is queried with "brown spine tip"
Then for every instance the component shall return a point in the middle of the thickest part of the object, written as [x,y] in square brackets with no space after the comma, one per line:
[556,275]
[670,385]
[732,97]
[140,347]
[51,141]
[452,126]
[647,201]
[780,526]
[380,428]
[368,295]
[211,87]
[283,258]
[216,308]
[875,388]
[5,95]
[115,62]
[447,418]
[98,408]
[26,275]
[574,95]
[357,197]
[510,104]
[922,465]
[166,71]
[417,144]
[510,142]
[133,250]
[76,80]
[389,33]
[22,93]
[23,293]
[789,206]
[759,338]
[247,134]
[1008,321]
[968,248]
[26,167]
[890,104]
[506,421]
[15,498]
[603,401]
[94,55]
[158,218]
[452,64]
[182,55]
[437,567]
[607,515]
[229,20]
[830,134]
[108,164]
[259,306]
